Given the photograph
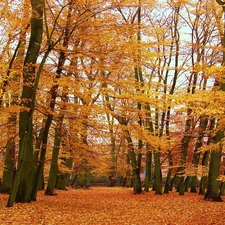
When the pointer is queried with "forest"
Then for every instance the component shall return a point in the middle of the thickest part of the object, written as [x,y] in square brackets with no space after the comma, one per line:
[131,92]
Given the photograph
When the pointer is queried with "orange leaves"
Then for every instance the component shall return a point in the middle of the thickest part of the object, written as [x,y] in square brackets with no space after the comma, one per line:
[102,205]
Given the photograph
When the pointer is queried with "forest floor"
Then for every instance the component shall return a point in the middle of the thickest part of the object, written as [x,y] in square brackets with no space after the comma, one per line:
[109,206]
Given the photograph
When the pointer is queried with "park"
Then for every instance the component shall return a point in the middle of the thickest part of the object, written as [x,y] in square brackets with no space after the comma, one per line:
[125,93]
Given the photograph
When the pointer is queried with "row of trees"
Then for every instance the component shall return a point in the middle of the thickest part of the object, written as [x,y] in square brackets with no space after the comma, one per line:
[94,87]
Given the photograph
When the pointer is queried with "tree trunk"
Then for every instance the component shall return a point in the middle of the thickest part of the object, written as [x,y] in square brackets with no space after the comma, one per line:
[169,174]
[196,157]
[174,183]
[184,149]
[205,160]
[157,174]
[136,171]
[222,189]
[9,168]
[62,179]
[112,173]
[212,192]
[54,164]
[24,177]
[10,159]
[187,183]
[203,185]
[40,169]
[148,175]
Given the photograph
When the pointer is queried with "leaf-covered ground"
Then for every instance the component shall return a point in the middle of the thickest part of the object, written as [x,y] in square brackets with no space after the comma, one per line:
[102,205]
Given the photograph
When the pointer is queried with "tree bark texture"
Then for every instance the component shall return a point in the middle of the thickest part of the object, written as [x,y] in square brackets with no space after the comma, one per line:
[24,177]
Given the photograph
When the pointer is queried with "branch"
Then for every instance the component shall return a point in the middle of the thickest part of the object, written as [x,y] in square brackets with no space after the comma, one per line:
[221,3]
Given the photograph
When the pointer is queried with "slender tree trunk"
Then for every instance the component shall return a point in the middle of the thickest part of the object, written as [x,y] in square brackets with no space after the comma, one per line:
[148,175]
[62,179]
[184,149]
[205,160]
[157,173]
[196,157]
[149,126]
[54,163]
[137,178]
[173,183]
[204,180]
[136,157]
[135,163]
[112,173]
[169,174]
[40,169]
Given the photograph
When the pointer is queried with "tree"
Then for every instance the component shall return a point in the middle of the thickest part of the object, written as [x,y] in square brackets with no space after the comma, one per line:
[23,181]
[215,157]
[112,89]
[12,78]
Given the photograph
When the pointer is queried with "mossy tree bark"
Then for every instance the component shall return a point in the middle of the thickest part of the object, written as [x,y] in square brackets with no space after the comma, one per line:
[63,177]
[24,177]
[212,192]
[54,163]
[135,164]
[9,166]
[157,173]
[203,182]
[205,161]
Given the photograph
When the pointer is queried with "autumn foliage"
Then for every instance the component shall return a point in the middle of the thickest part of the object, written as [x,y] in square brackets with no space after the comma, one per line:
[113,206]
